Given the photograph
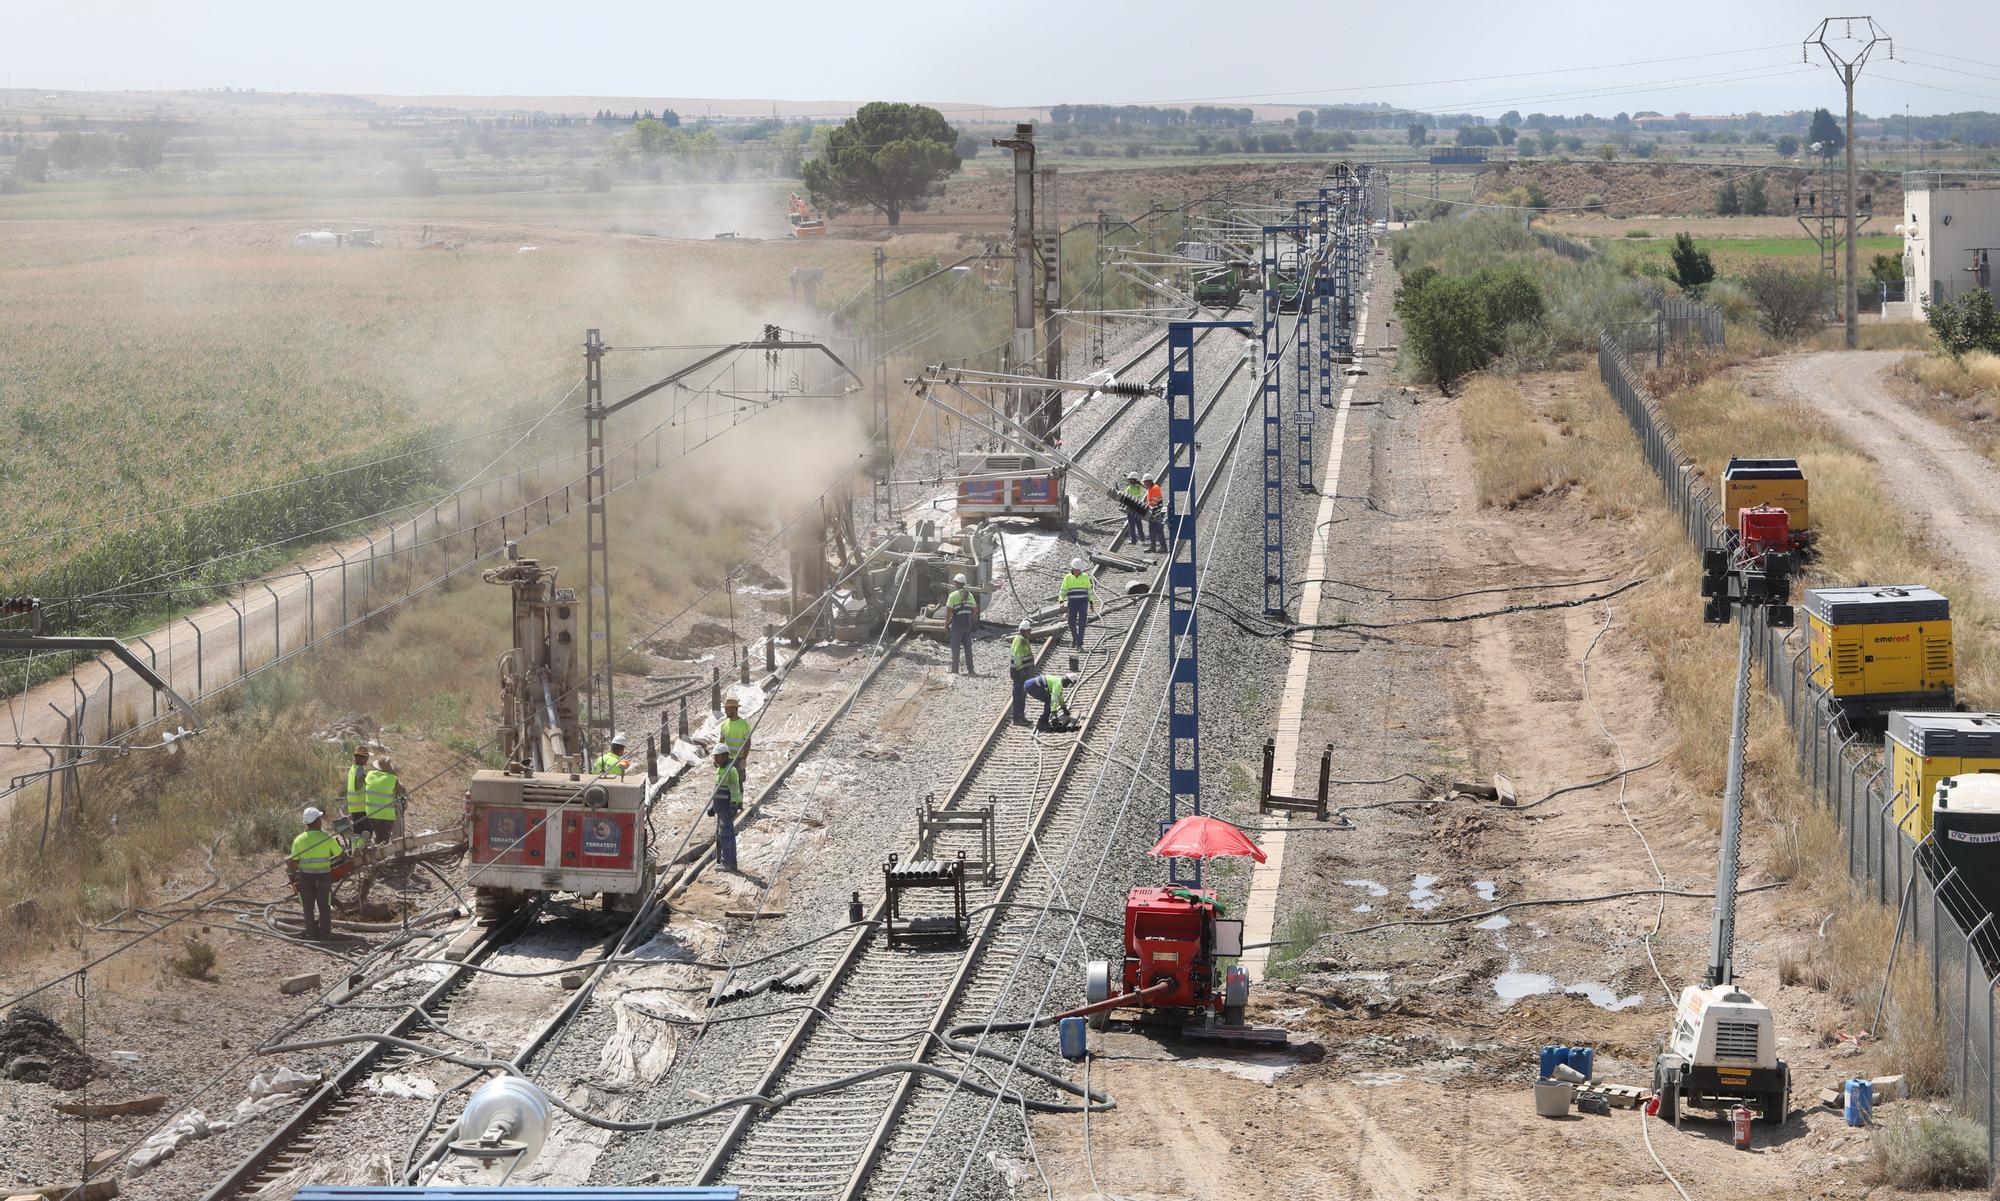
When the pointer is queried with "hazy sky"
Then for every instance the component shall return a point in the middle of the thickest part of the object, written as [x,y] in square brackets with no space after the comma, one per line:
[1553,56]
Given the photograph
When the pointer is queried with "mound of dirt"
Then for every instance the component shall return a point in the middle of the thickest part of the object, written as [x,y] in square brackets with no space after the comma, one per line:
[699,637]
[35,1050]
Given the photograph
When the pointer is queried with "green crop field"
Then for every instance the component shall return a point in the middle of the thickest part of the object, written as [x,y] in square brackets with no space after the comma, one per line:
[1737,254]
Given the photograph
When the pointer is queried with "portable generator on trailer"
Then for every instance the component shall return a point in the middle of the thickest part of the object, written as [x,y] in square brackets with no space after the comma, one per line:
[1172,975]
[1768,483]
[1925,749]
[1874,649]
[533,833]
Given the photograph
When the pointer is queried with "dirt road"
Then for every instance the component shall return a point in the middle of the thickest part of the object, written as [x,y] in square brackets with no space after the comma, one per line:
[1931,471]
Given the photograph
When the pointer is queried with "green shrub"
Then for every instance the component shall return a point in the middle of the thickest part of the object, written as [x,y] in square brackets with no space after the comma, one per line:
[1790,302]
[1303,928]
[195,962]
[1931,1149]
[1968,323]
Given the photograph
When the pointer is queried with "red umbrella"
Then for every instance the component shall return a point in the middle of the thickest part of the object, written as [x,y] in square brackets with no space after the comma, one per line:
[1201,837]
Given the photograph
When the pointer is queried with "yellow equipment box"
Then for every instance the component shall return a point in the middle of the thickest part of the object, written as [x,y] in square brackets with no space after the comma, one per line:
[1747,483]
[1881,648]
[1927,747]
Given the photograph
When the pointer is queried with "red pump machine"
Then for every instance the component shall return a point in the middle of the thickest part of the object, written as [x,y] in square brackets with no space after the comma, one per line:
[1176,940]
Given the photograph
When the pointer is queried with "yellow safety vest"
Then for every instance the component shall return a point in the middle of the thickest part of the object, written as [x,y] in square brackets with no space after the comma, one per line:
[1136,492]
[357,796]
[729,785]
[735,735]
[1075,584]
[1055,686]
[381,791]
[315,851]
[610,763]
[1021,651]
[961,603]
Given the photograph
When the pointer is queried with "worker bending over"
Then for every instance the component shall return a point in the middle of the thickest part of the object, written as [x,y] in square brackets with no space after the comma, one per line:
[1080,595]
[613,762]
[961,614]
[735,736]
[385,796]
[1048,689]
[310,866]
[1021,665]
[1156,517]
[725,803]
[1134,499]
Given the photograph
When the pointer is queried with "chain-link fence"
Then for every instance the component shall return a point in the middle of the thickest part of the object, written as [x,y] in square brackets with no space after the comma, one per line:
[1937,914]
[1569,248]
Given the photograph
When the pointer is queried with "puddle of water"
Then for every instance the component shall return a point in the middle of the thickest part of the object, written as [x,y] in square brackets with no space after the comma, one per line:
[1603,997]
[1366,1079]
[1421,894]
[1485,889]
[1510,986]
[1258,1067]
[1364,907]
[1374,889]
[1497,922]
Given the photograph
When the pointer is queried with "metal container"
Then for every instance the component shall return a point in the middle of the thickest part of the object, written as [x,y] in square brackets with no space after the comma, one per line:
[1967,829]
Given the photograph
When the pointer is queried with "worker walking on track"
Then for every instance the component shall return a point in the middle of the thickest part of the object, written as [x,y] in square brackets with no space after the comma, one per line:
[735,735]
[1021,665]
[1048,689]
[613,762]
[1134,500]
[1156,516]
[1079,594]
[725,803]
[961,615]
[385,795]
[310,866]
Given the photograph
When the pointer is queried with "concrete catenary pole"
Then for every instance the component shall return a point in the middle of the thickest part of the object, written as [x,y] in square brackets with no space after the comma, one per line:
[1021,356]
[1847,50]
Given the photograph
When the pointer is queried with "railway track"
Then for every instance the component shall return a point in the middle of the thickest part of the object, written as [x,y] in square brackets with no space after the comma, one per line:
[880,1005]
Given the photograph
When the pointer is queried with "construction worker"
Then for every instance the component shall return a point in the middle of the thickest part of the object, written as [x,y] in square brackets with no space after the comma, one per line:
[310,866]
[1156,516]
[613,762]
[1079,594]
[736,736]
[1021,665]
[357,788]
[725,802]
[385,796]
[961,614]
[1134,500]
[1048,689]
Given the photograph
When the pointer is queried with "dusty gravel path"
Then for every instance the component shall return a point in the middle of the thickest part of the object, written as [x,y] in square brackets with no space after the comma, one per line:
[1933,473]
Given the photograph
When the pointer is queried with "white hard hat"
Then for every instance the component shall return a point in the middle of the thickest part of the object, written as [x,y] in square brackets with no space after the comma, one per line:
[1076,564]
[959,578]
[618,739]
[721,748]
[1131,475]
[312,815]
[1024,627]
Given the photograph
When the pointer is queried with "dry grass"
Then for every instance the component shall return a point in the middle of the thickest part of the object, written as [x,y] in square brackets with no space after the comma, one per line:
[1516,458]
[1930,1149]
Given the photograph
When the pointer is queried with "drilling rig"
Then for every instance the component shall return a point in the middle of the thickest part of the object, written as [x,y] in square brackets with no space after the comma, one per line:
[539,726]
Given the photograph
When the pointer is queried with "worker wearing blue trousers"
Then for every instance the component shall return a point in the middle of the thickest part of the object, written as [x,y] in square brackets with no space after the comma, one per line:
[725,802]
[961,615]
[1134,500]
[1079,596]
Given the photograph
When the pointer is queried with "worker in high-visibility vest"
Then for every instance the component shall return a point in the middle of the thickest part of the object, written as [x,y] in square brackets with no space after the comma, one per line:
[1134,500]
[385,798]
[1079,595]
[1156,516]
[961,615]
[310,866]
[1048,689]
[613,762]
[1021,665]
[357,789]
[735,734]
[725,803]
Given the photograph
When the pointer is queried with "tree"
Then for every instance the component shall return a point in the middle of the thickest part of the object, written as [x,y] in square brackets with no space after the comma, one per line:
[1786,145]
[967,147]
[1789,303]
[1507,134]
[1968,323]
[1886,269]
[1727,202]
[597,179]
[417,179]
[1417,134]
[1755,201]
[1693,269]
[1477,135]
[887,156]
[1826,133]
[1306,118]
[1511,117]
[1445,323]
[1527,147]
[32,165]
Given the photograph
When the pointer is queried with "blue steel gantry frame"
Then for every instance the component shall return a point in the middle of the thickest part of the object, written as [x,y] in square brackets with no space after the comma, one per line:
[1270,388]
[1183,582]
[1323,305]
[1311,266]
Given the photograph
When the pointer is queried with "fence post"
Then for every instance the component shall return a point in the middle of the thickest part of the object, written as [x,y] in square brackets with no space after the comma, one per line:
[312,624]
[110,698]
[368,581]
[342,556]
[1936,913]
[1880,835]
[239,635]
[197,654]
[152,661]
[277,623]
[1965,1029]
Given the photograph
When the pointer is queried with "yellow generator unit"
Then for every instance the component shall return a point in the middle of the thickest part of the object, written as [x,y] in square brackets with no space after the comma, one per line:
[1747,483]
[1925,748]
[1877,649]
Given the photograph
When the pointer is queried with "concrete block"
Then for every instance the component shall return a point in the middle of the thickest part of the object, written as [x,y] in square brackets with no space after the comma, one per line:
[149,1103]
[294,985]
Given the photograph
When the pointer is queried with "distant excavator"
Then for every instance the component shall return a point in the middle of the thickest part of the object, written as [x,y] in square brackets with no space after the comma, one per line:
[805,222]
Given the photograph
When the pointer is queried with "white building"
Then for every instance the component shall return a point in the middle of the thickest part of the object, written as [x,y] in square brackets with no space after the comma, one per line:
[1951,231]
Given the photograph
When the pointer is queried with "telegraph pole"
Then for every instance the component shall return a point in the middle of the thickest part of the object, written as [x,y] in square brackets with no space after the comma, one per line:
[885,449]
[1021,356]
[1847,60]
[1049,245]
